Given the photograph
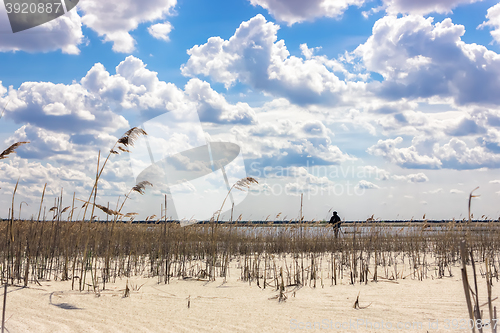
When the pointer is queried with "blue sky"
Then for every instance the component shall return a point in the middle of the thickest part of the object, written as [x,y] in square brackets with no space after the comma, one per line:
[387,108]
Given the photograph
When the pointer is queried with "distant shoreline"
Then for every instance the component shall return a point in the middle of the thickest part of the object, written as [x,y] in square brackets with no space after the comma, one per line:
[360,223]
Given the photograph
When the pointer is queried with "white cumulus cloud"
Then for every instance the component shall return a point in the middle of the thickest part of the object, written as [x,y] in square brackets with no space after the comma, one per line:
[63,33]
[295,11]
[160,31]
[364,184]
[253,56]
[213,107]
[114,20]
[405,157]
[454,154]
[423,7]
[493,20]
[421,59]
[413,178]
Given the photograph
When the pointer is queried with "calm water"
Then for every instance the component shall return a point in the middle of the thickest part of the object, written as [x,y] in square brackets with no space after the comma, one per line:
[350,230]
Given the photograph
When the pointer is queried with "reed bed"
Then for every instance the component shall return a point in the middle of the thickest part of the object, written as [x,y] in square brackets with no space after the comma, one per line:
[92,254]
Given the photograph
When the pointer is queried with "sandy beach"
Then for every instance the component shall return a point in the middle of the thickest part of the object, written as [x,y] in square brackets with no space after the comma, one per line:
[431,305]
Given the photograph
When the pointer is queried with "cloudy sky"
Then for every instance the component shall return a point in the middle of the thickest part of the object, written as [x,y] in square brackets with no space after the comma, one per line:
[388,108]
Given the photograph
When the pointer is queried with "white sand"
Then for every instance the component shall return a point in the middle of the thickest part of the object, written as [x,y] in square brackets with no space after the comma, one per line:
[239,307]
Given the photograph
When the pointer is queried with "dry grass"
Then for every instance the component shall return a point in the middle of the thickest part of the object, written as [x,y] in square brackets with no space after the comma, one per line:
[60,250]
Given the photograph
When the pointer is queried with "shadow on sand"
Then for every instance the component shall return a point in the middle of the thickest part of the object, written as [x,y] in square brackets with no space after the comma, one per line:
[65,306]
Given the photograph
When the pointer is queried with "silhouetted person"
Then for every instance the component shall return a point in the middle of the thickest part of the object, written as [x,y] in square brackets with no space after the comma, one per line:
[335,220]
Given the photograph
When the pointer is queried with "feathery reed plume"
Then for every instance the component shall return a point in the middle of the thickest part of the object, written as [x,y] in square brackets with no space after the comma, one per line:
[129,137]
[126,140]
[11,149]
[108,210]
[141,187]
[131,214]
[241,185]
[244,183]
